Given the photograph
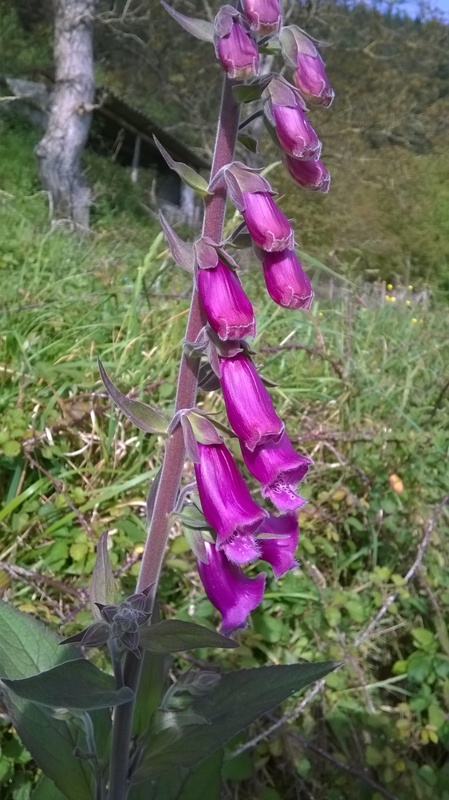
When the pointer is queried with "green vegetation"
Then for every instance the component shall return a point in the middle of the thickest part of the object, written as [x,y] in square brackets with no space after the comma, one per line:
[367,398]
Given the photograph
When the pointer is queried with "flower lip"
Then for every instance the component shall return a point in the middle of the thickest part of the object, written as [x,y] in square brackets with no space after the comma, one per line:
[286,282]
[279,468]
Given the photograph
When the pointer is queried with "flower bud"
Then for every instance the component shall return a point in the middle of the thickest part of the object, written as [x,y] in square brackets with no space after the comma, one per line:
[309,74]
[228,309]
[225,498]
[279,468]
[234,46]
[249,407]
[264,16]
[229,589]
[309,174]
[286,111]
[286,282]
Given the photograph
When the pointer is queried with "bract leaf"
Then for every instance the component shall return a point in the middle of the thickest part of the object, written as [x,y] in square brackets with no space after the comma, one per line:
[182,252]
[145,417]
[208,381]
[75,685]
[176,635]
[239,699]
[247,93]
[151,685]
[186,173]
[248,141]
[102,586]
[200,28]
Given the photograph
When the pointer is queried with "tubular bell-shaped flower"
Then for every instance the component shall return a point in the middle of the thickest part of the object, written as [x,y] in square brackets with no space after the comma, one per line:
[312,175]
[309,74]
[234,45]
[229,589]
[279,549]
[228,309]
[249,407]
[279,468]
[287,112]
[251,194]
[225,498]
[286,282]
[264,16]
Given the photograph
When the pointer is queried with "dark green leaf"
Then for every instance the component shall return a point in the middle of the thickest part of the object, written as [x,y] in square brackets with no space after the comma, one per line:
[46,790]
[27,647]
[151,685]
[145,417]
[74,685]
[239,699]
[248,141]
[186,173]
[102,586]
[175,635]
[203,781]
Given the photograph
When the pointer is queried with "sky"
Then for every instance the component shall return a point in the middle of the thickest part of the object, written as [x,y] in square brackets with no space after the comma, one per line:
[412,7]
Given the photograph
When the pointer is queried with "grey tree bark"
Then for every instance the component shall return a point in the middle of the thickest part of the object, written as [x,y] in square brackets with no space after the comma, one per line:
[59,152]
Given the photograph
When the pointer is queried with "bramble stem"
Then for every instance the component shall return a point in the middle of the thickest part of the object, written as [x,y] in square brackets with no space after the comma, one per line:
[174,457]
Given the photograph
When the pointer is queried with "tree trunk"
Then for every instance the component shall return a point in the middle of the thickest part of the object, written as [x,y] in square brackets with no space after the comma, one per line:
[59,151]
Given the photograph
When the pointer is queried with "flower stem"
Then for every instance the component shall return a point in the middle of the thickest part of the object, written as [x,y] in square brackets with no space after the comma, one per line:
[174,457]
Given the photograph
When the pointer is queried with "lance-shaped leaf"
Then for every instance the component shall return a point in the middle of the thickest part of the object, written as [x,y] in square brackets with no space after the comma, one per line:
[248,141]
[247,93]
[151,685]
[200,28]
[46,790]
[102,586]
[146,418]
[186,173]
[75,685]
[208,381]
[152,494]
[176,635]
[239,699]
[182,252]
[183,784]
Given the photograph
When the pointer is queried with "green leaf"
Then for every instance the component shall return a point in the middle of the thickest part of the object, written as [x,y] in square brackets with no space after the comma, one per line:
[151,685]
[248,141]
[246,93]
[203,781]
[239,699]
[186,173]
[102,586]
[175,635]
[75,685]
[46,790]
[26,647]
[200,28]
[145,417]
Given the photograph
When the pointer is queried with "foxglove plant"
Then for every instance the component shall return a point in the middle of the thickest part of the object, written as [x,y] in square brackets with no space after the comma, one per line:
[130,734]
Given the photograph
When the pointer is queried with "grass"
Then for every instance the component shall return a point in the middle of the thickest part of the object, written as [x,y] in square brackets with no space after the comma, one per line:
[364,391]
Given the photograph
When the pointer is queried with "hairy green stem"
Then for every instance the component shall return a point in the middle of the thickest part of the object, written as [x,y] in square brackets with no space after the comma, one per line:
[174,457]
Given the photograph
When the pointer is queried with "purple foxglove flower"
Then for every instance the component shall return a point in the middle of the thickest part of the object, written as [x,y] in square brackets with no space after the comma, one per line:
[311,80]
[309,174]
[286,111]
[309,74]
[264,16]
[279,468]
[249,407]
[225,498]
[228,309]
[235,47]
[267,225]
[242,548]
[279,552]
[229,589]
[286,282]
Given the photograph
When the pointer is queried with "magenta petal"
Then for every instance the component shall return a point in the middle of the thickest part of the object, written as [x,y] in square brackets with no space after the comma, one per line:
[264,16]
[238,52]
[311,79]
[249,407]
[229,589]
[228,309]
[267,225]
[241,549]
[225,498]
[279,552]
[286,282]
[294,131]
[309,174]
[279,468]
